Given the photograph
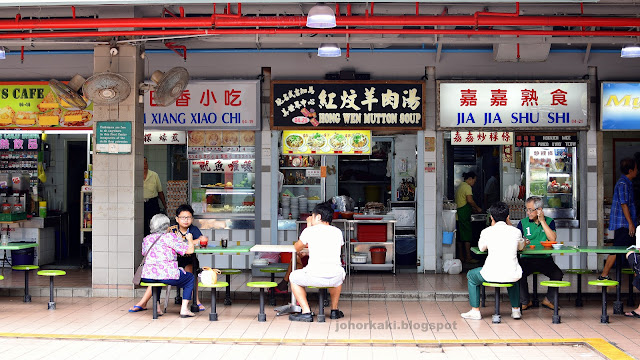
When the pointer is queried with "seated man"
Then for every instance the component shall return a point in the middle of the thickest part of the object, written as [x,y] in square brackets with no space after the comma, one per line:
[535,229]
[502,242]
[324,268]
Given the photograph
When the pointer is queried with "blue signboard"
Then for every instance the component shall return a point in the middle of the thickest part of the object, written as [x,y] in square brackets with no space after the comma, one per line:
[620,106]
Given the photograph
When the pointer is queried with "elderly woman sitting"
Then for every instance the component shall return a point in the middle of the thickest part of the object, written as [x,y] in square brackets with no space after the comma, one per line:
[161,264]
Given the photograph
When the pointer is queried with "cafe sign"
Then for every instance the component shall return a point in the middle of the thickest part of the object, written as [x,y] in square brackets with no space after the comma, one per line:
[325,104]
[512,105]
[207,105]
[620,106]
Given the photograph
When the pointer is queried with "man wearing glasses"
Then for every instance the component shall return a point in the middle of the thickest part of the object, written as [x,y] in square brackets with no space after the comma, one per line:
[537,228]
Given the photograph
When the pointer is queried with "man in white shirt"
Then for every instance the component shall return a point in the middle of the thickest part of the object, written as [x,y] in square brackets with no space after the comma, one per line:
[324,268]
[502,243]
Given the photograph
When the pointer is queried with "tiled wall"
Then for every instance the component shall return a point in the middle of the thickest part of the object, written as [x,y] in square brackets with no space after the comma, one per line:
[117,186]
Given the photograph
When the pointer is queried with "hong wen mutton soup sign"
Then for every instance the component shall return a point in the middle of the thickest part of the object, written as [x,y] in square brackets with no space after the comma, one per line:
[347,104]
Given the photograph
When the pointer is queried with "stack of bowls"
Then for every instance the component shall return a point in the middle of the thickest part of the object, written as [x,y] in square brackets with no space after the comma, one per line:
[286,206]
[303,205]
[312,204]
[295,208]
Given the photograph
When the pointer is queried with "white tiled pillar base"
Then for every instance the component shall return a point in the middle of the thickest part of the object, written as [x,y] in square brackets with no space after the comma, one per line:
[117,185]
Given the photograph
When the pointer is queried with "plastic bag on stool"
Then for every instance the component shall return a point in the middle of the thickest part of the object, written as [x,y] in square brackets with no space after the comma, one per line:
[453,266]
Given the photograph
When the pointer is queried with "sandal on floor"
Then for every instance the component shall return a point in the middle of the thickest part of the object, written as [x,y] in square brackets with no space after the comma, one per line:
[137,308]
[632,314]
[201,307]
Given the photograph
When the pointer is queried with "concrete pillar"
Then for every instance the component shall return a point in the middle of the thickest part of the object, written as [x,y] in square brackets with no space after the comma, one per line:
[117,184]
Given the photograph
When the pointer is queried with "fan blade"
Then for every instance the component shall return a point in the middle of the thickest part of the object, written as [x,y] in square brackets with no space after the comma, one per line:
[171,86]
[107,88]
[67,94]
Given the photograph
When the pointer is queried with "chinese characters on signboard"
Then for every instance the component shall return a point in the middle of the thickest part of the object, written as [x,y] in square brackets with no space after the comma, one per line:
[340,104]
[481,138]
[165,138]
[207,105]
[19,142]
[546,140]
[513,105]
[223,166]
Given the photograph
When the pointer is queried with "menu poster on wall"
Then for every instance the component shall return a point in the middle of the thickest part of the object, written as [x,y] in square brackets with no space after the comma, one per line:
[347,104]
[32,105]
[512,105]
[113,137]
[204,105]
[356,142]
[620,106]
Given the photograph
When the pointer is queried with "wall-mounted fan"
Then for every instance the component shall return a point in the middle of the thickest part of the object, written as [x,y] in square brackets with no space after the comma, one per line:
[69,93]
[168,86]
[106,88]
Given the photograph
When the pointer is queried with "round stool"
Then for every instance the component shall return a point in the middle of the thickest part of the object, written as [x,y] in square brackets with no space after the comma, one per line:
[495,318]
[1,277]
[228,273]
[579,272]
[557,284]
[628,271]
[604,319]
[535,302]
[262,317]
[26,269]
[156,295]
[322,298]
[272,270]
[51,274]
[213,315]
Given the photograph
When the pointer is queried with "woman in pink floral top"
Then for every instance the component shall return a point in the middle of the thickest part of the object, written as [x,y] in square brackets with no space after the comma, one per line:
[161,264]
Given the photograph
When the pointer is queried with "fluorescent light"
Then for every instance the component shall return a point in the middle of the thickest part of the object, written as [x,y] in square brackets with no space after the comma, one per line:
[630,51]
[329,50]
[17,132]
[3,54]
[68,132]
[321,17]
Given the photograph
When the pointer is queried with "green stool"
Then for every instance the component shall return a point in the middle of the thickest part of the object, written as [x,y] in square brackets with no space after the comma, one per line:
[495,318]
[26,269]
[631,274]
[272,270]
[604,319]
[579,272]
[557,284]
[228,273]
[51,274]
[1,277]
[262,317]
[535,302]
[322,297]
[213,315]
[156,295]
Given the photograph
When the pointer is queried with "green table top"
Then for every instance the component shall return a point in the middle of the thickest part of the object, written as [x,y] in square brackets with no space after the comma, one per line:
[220,250]
[17,246]
[604,249]
[538,250]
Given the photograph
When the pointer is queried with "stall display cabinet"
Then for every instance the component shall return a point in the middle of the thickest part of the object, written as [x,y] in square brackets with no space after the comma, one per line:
[367,234]
[85,212]
[302,175]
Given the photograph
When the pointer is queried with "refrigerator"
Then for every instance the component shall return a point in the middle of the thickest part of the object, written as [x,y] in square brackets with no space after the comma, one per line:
[551,173]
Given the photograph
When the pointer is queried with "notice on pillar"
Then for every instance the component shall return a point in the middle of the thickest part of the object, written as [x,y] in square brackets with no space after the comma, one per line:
[113,137]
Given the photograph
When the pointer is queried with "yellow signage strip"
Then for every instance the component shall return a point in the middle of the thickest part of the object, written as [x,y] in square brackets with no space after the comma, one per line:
[326,142]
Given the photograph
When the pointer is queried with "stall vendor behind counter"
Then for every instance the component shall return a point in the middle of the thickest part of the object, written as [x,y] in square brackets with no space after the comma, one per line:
[152,192]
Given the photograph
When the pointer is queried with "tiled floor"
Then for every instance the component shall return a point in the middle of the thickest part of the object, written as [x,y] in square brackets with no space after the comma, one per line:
[81,322]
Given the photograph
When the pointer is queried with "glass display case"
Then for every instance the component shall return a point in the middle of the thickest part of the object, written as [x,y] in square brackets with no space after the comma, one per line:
[303,176]
[222,182]
[551,174]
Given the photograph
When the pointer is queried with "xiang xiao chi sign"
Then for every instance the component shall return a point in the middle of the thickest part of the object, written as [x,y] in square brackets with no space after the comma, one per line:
[348,104]
[536,105]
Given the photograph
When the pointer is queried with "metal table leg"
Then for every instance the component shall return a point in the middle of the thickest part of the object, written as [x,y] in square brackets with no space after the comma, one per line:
[618,306]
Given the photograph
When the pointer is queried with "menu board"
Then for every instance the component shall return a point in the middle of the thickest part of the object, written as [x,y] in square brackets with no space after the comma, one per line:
[32,105]
[213,138]
[356,142]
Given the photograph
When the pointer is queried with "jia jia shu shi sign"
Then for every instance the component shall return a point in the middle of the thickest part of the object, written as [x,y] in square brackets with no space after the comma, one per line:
[347,104]
[513,105]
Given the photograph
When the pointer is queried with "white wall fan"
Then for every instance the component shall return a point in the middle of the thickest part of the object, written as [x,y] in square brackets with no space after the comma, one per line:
[69,92]
[167,86]
[106,88]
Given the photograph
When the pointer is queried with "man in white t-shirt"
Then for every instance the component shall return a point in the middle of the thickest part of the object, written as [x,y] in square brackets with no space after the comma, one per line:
[502,243]
[324,268]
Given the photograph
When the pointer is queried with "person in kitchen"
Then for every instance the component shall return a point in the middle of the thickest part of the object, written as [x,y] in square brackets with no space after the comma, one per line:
[184,218]
[152,192]
[537,228]
[502,243]
[324,269]
[464,200]
[622,220]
